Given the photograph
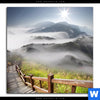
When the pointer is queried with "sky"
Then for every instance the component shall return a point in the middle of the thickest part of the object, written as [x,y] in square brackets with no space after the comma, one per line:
[24,16]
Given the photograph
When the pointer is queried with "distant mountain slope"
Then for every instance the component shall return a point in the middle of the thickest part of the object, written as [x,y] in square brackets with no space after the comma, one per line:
[44,24]
[40,26]
[83,44]
[71,60]
[71,30]
[72,55]
[43,38]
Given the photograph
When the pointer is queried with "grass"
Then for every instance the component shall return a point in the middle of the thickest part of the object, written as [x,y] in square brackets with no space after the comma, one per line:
[40,70]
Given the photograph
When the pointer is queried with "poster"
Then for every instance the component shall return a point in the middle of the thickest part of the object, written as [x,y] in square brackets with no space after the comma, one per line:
[54,42]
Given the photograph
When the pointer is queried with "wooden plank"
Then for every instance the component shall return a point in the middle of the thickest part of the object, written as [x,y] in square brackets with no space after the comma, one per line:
[50,84]
[40,78]
[40,89]
[81,83]
[29,84]
[21,73]
[22,79]
[15,84]
[18,67]
[27,77]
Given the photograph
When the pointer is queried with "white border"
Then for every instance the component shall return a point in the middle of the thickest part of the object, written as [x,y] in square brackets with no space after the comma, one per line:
[96,66]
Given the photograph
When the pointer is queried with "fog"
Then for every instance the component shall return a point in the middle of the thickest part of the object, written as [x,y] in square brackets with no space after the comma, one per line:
[67,60]
[61,60]
[17,37]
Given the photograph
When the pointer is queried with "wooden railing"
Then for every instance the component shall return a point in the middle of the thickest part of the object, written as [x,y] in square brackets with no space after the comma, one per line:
[51,80]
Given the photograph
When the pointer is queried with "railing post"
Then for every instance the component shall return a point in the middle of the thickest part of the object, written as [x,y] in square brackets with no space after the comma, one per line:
[24,79]
[16,67]
[40,83]
[73,89]
[50,84]
[19,72]
[32,82]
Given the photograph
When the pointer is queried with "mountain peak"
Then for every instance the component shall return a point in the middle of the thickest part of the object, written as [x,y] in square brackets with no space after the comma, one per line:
[64,23]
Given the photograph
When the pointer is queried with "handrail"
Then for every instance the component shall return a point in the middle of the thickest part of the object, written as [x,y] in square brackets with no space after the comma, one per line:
[81,83]
[40,78]
[51,80]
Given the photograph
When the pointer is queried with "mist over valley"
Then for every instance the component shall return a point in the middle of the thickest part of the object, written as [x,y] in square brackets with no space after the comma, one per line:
[60,45]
